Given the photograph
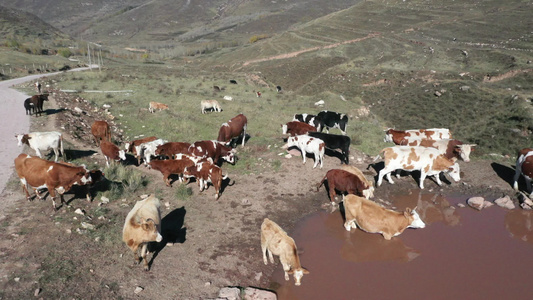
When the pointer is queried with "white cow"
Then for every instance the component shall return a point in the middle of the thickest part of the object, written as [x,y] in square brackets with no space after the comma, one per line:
[308,144]
[207,104]
[143,225]
[42,141]
[409,137]
[147,150]
[428,161]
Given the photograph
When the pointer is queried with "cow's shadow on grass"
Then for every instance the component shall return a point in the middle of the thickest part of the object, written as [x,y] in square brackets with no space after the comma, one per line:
[71,154]
[507,174]
[334,153]
[172,231]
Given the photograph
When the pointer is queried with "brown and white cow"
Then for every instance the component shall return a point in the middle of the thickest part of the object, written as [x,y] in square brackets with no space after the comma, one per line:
[367,193]
[344,182]
[56,177]
[451,148]
[275,241]
[214,149]
[156,105]
[308,144]
[131,147]
[235,127]
[173,166]
[170,149]
[410,137]
[111,152]
[205,172]
[429,161]
[210,104]
[524,166]
[297,128]
[143,225]
[101,131]
[374,218]
[42,141]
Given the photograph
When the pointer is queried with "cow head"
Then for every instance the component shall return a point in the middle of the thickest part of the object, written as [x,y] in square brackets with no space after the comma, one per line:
[464,151]
[369,192]
[388,136]
[298,274]
[455,172]
[122,154]
[412,215]
[230,157]
[150,232]
[22,139]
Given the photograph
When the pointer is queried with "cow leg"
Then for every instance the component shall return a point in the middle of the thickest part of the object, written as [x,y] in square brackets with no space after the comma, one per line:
[270,256]
[56,152]
[264,250]
[437,178]
[144,250]
[332,194]
[286,269]
[304,154]
[88,193]
[53,195]
[422,178]
[516,176]
[317,160]
[382,173]
[38,152]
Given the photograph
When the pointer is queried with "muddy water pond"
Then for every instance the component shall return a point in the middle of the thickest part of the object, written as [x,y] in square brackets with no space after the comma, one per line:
[461,254]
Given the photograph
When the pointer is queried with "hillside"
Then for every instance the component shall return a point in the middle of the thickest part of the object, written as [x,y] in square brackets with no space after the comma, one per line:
[17,26]
[170,24]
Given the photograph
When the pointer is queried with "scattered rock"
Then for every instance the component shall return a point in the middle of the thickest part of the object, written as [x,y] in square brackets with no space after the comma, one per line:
[80,211]
[476,202]
[437,93]
[144,196]
[320,103]
[246,202]
[138,290]
[37,292]
[104,199]
[505,202]
[257,294]
[78,110]
[87,225]
[17,279]
[464,88]
[230,293]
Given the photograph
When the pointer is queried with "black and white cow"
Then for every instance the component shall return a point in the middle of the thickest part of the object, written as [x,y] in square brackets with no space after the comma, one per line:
[309,119]
[335,141]
[331,119]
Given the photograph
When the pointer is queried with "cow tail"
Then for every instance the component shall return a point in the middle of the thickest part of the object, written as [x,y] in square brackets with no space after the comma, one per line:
[321,182]
[379,155]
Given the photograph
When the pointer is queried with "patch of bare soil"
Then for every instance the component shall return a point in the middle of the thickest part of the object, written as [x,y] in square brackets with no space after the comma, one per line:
[207,244]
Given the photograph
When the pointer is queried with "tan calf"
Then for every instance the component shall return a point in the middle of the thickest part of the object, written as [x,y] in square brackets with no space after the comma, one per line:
[275,241]
[156,105]
[374,218]
[143,225]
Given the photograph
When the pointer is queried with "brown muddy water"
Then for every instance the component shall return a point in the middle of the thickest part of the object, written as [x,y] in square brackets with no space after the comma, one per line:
[460,254]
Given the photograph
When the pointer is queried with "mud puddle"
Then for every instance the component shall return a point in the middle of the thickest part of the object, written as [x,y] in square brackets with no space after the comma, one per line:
[461,254]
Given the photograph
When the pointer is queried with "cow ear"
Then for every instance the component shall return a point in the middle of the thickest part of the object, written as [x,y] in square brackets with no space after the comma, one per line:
[290,272]
[305,271]
[407,212]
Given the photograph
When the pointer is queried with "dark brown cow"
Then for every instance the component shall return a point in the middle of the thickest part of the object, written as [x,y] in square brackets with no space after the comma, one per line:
[235,127]
[205,172]
[343,181]
[297,128]
[56,177]
[173,166]
[131,146]
[170,149]
[213,149]
[37,101]
[101,131]
[111,152]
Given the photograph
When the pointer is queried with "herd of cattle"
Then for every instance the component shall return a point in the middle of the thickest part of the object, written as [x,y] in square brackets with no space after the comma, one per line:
[429,151]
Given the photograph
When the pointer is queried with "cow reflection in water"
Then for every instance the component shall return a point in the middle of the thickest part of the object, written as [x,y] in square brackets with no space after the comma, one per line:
[519,223]
[434,208]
